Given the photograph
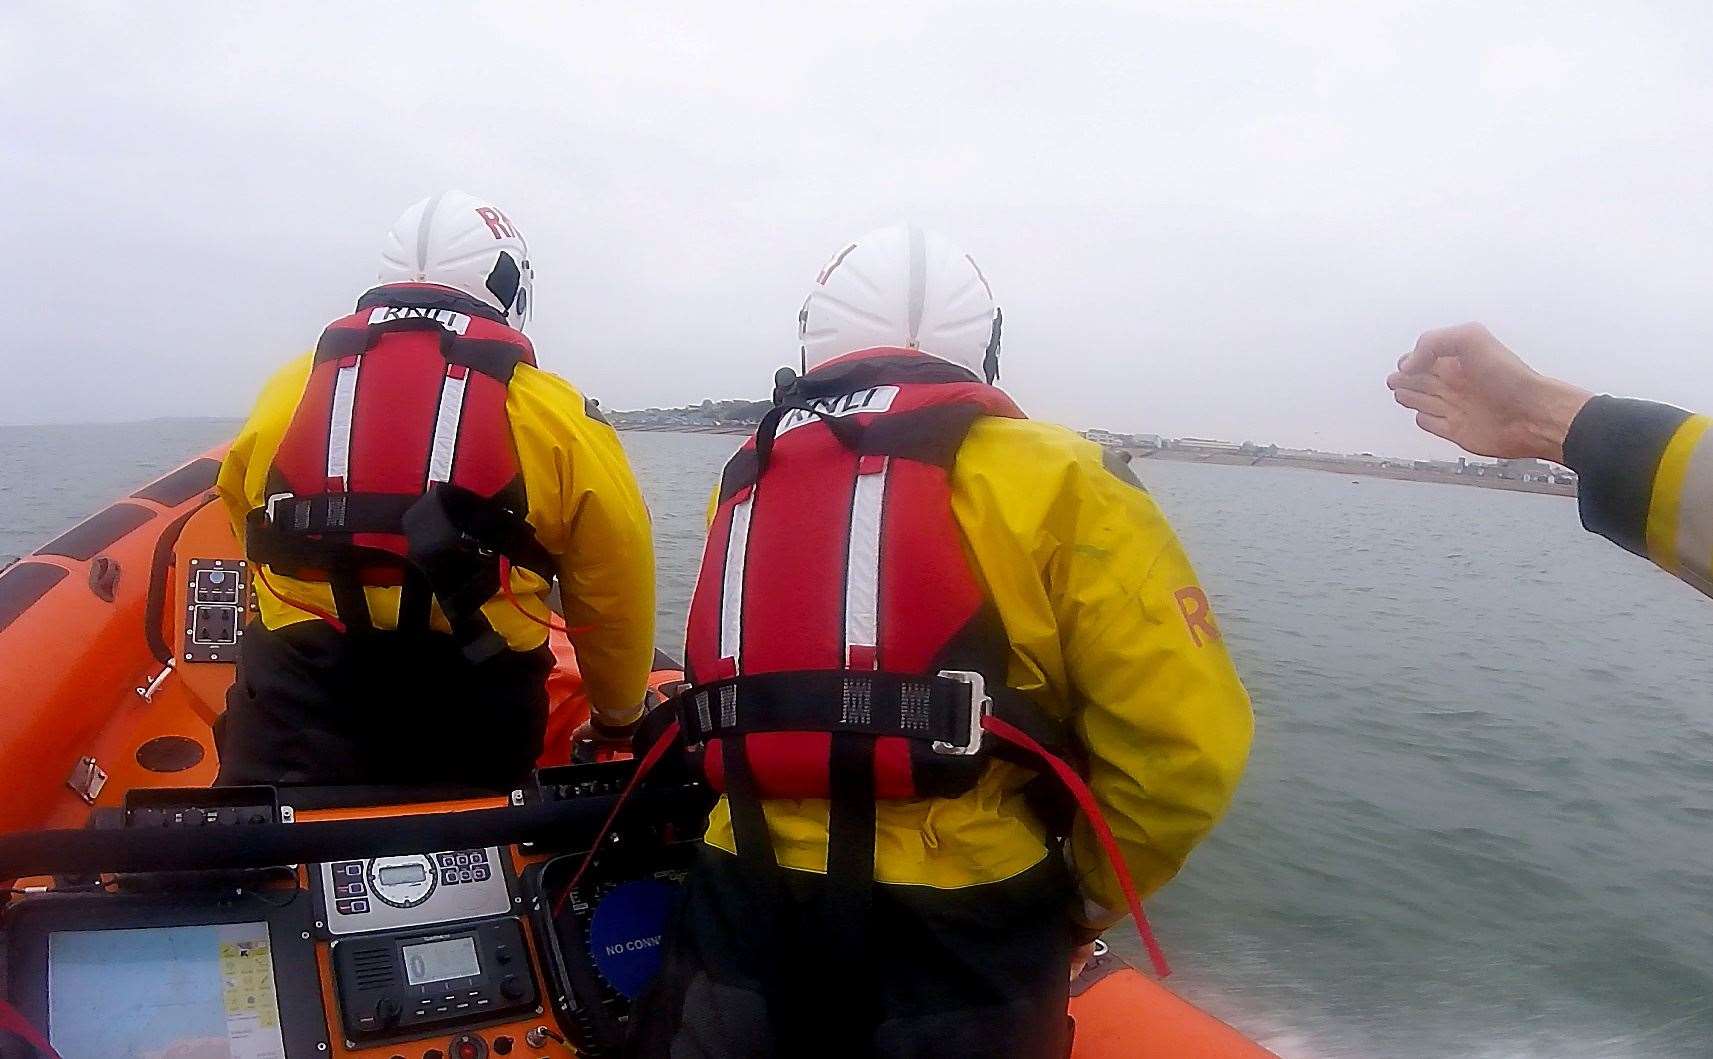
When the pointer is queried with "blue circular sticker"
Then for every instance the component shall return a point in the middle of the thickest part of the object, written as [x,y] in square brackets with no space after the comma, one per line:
[626,931]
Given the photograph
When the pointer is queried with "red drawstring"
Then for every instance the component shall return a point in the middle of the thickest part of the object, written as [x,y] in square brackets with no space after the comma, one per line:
[327,616]
[18,1026]
[506,590]
[1004,730]
[1097,820]
[643,768]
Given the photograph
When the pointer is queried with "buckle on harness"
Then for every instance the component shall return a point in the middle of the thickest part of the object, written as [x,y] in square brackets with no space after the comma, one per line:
[980,706]
[273,502]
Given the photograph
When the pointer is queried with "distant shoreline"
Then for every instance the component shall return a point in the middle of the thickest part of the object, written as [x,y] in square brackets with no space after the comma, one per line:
[1223,459]
[1355,470]
[745,429]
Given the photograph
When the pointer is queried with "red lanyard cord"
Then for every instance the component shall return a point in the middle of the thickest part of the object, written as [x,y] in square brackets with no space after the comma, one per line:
[18,1026]
[1009,733]
[297,604]
[1097,820]
[505,589]
[643,768]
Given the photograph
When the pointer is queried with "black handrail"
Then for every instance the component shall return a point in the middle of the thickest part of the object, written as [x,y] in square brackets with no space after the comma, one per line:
[85,851]
[155,605]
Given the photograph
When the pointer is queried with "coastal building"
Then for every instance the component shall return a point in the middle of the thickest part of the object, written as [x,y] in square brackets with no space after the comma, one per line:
[1206,445]
[1524,470]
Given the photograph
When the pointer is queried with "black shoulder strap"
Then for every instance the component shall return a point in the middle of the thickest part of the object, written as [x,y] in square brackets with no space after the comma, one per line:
[490,356]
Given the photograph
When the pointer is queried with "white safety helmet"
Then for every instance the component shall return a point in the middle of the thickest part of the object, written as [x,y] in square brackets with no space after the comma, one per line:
[902,286]
[463,242]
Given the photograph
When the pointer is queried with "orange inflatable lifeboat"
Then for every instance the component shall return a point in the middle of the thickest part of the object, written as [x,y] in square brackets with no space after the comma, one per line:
[117,644]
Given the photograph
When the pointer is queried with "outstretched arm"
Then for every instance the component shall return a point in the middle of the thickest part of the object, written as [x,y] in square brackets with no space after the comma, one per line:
[1646,469]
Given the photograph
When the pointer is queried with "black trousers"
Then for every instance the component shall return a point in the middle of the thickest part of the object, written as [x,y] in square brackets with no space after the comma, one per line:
[980,971]
[313,706]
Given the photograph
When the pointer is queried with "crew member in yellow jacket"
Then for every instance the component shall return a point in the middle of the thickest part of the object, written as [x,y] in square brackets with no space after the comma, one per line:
[384,486]
[976,910]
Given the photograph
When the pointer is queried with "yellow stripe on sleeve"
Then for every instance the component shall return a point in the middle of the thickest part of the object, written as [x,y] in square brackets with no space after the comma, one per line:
[1663,509]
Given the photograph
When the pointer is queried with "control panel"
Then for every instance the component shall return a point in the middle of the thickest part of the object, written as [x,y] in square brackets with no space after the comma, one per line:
[404,981]
[200,806]
[413,890]
[216,595]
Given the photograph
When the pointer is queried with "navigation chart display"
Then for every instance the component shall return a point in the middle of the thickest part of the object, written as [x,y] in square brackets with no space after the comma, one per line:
[199,992]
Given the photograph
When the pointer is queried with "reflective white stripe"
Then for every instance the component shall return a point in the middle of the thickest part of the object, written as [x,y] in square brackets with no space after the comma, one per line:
[731,593]
[862,563]
[1695,516]
[339,424]
[446,429]
[918,282]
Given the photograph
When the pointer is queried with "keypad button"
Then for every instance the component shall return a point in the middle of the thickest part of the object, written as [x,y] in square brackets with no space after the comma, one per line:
[449,877]
[447,860]
[479,873]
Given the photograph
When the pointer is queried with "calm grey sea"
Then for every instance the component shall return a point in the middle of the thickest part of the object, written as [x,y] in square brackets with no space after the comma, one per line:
[1478,821]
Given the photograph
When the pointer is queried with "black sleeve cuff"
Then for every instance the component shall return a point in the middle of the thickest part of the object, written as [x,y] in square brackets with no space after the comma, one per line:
[1615,446]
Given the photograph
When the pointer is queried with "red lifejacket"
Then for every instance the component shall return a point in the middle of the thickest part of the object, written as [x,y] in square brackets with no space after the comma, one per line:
[406,400]
[835,590]
[840,645]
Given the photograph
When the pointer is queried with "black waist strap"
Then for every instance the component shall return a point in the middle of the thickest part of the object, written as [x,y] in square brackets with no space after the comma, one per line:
[330,518]
[341,512]
[934,708]
[454,539]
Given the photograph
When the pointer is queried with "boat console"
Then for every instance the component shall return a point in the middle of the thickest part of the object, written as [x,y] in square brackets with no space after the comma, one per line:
[236,923]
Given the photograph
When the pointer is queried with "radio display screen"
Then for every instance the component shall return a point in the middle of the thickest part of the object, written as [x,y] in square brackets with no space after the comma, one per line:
[436,961]
[164,991]
[403,875]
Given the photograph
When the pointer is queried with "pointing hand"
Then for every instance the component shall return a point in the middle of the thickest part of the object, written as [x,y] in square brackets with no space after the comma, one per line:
[1467,387]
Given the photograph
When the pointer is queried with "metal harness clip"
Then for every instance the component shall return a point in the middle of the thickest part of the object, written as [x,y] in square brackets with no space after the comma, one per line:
[980,706]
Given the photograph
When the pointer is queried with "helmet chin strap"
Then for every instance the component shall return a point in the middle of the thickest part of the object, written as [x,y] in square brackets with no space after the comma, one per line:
[990,362]
[803,336]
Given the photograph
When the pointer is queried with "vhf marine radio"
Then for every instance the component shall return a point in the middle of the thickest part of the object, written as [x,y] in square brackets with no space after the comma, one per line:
[424,940]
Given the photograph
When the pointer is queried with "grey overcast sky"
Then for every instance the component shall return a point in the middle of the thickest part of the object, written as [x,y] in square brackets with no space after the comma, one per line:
[1223,219]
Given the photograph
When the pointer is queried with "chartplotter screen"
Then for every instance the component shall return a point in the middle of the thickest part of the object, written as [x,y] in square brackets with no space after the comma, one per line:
[183,992]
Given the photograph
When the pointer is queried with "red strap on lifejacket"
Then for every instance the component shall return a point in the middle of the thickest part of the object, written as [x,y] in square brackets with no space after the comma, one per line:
[643,768]
[505,588]
[1097,820]
[19,1026]
[994,725]
[511,597]
[327,616]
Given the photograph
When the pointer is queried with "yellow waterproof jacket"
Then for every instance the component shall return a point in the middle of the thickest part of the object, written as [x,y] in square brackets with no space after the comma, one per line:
[1646,482]
[1109,631]
[584,506]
